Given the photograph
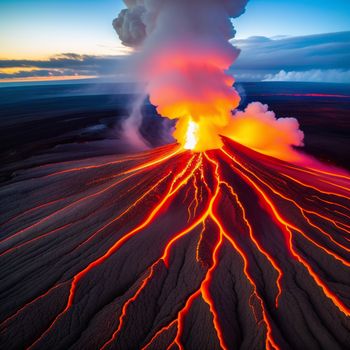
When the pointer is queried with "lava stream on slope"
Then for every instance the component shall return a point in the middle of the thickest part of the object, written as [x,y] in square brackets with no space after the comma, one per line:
[172,249]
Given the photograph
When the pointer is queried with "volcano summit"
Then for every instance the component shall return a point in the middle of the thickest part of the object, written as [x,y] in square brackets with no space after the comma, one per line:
[171,249]
[227,237]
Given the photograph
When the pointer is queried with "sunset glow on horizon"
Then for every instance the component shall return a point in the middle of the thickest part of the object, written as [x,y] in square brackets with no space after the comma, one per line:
[39,30]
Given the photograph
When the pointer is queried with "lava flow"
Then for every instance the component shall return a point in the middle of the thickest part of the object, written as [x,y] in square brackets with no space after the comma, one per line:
[175,249]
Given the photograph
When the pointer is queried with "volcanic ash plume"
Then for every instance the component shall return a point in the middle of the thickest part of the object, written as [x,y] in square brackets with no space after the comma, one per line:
[183,53]
[258,128]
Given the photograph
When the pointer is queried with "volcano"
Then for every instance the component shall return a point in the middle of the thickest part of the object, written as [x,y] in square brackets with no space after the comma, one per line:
[175,249]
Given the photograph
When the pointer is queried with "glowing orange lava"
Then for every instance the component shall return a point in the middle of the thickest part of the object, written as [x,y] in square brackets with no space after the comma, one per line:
[191,136]
[256,128]
[236,205]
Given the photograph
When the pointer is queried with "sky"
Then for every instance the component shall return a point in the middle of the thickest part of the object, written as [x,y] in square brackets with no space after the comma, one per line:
[35,29]
[39,30]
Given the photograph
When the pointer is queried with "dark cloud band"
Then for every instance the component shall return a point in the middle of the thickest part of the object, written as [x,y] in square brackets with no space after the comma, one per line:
[323,55]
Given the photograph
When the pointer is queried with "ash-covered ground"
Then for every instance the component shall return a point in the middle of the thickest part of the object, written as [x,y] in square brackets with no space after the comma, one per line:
[106,247]
[49,123]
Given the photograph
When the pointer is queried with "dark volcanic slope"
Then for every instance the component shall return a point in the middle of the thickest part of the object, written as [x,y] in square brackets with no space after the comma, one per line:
[323,111]
[44,124]
[168,249]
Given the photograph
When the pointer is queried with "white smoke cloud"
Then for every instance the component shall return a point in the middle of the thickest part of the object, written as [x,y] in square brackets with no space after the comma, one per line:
[258,128]
[183,53]
[313,75]
[129,25]
[139,19]
[131,126]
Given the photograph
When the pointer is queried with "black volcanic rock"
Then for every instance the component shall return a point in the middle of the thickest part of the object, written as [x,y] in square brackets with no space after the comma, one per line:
[169,249]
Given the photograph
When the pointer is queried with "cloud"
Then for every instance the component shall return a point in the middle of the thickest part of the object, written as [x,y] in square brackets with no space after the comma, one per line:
[140,18]
[258,128]
[313,75]
[67,64]
[322,57]
[322,51]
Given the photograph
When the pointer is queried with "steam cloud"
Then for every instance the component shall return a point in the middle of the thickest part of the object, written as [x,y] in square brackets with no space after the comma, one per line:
[182,51]
[258,128]
[139,19]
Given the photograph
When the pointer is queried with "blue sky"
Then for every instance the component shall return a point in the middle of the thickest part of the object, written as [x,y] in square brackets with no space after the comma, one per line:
[37,30]
[293,17]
